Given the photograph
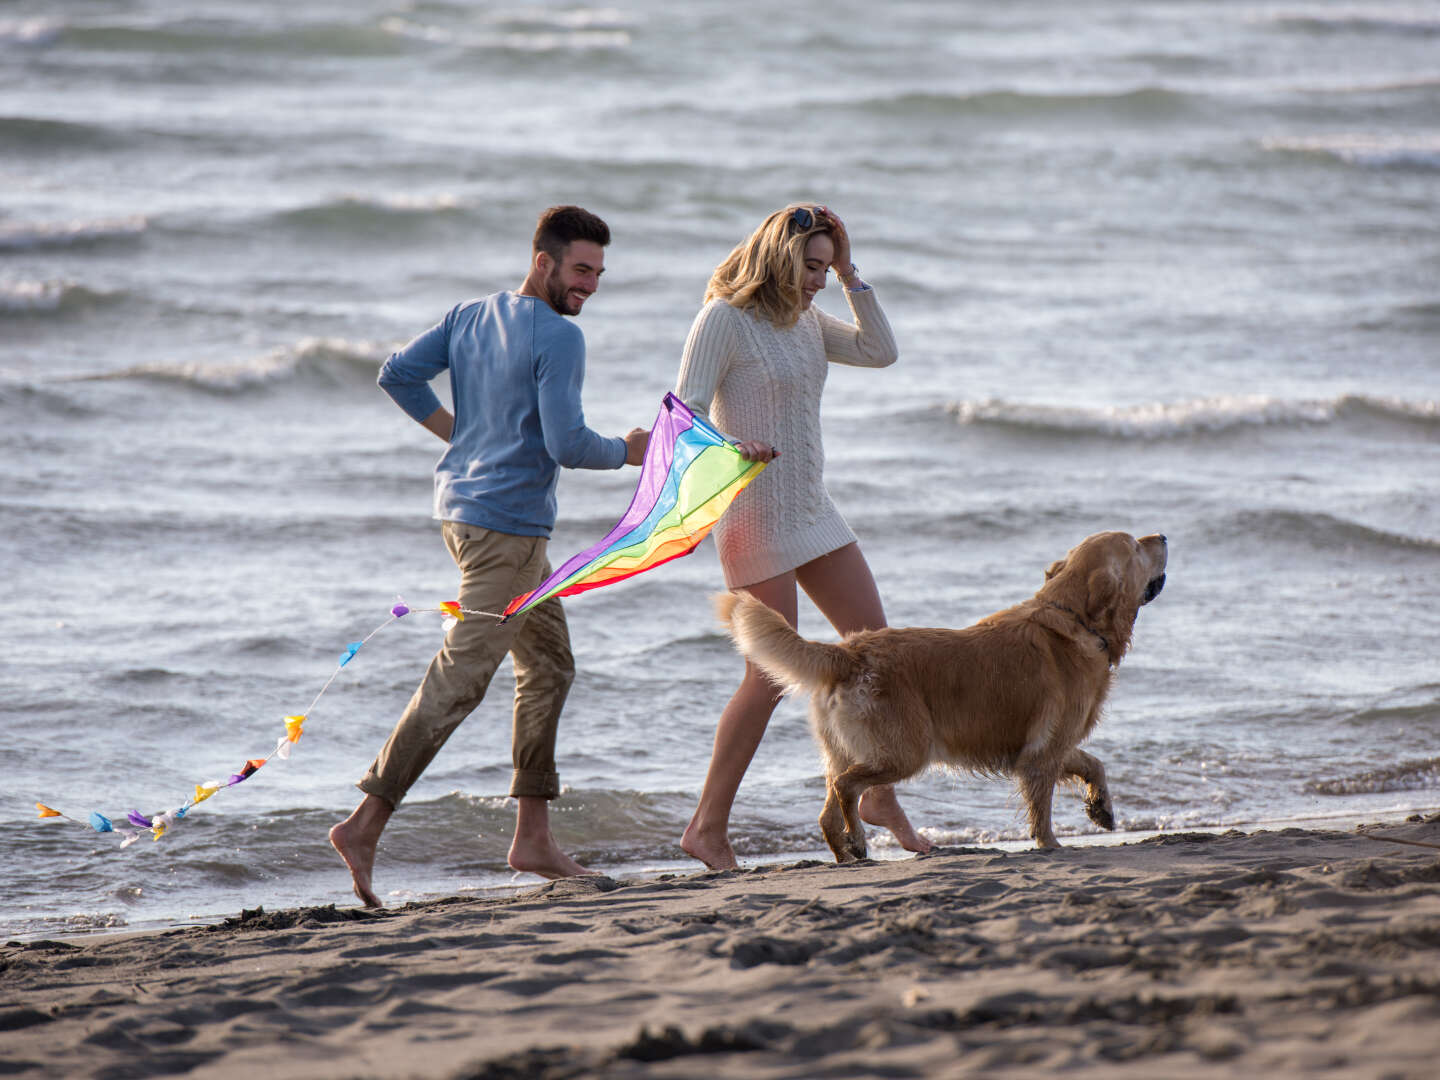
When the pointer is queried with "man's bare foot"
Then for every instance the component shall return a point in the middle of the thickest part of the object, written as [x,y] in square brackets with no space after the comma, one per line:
[711,849]
[879,806]
[356,838]
[533,849]
[547,860]
[359,858]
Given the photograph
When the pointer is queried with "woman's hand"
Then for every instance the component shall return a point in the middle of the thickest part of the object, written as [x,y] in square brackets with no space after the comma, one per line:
[841,239]
[751,450]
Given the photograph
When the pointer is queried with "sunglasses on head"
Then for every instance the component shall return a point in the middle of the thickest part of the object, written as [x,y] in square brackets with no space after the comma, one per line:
[802,217]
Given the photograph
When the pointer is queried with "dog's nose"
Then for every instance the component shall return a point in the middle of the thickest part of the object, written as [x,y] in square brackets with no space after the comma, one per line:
[1163,539]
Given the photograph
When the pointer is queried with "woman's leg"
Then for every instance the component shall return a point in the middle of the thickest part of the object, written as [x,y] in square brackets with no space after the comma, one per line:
[737,736]
[842,587]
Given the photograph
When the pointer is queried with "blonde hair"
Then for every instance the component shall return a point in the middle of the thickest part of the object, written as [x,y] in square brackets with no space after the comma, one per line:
[764,272]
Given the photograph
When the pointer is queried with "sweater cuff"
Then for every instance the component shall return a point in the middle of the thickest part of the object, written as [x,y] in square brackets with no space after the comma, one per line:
[418,401]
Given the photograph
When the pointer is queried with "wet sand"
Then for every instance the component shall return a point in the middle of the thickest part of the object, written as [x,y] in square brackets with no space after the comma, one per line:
[1287,953]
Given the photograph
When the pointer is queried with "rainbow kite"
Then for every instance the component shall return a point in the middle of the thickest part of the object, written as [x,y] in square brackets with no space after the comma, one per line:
[690,475]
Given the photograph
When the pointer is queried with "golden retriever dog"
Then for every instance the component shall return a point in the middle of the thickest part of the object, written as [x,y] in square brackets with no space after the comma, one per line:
[1014,694]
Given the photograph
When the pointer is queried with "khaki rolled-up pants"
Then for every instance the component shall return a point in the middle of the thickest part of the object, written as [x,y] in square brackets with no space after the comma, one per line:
[494,568]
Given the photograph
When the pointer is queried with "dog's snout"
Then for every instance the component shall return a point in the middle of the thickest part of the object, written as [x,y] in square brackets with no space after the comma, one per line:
[1163,538]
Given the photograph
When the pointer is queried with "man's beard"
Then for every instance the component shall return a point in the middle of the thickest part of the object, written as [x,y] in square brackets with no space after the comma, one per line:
[555,293]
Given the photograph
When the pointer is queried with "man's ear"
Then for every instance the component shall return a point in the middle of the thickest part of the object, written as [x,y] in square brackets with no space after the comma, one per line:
[543,263]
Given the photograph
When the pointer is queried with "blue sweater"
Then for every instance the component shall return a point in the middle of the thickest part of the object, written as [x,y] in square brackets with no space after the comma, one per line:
[516,367]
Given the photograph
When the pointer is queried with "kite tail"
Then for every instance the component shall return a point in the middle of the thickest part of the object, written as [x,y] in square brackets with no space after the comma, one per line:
[795,663]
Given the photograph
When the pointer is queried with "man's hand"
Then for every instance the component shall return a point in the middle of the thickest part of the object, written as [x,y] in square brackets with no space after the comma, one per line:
[635,442]
[441,423]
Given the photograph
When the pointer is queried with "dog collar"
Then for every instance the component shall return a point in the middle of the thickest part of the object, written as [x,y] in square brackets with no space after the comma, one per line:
[1104,645]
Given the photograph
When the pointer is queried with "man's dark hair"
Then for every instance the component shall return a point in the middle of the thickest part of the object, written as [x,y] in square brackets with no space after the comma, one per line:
[560,226]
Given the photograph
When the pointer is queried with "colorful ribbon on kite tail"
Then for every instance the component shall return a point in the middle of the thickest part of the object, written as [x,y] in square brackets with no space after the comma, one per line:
[690,475]
[134,824]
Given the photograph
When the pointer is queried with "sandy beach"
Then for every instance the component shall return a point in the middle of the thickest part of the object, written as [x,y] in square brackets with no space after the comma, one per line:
[1293,952]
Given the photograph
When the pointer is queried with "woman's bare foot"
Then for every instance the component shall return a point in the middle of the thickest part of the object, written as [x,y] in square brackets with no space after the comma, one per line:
[711,849]
[356,838]
[879,806]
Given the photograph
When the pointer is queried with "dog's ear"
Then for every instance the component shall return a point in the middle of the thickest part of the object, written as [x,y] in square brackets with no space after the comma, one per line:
[1102,595]
[1111,610]
[1054,568]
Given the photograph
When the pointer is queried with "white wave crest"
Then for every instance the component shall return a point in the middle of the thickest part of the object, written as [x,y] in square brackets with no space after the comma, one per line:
[407,202]
[69,233]
[1416,151]
[29,31]
[1393,18]
[1154,420]
[1408,776]
[310,355]
[26,297]
[574,19]
[578,35]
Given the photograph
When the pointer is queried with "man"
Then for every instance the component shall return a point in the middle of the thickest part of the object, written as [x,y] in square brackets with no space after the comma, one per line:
[516,368]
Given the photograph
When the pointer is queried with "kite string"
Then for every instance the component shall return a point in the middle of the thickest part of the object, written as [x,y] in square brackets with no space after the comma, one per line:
[161,822]
[397,613]
[353,649]
[639,541]
[488,614]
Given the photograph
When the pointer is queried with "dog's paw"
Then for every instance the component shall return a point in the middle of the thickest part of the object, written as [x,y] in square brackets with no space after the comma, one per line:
[1100,812]
[844,851]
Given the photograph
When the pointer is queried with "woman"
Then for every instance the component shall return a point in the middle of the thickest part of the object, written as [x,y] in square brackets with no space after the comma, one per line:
[755,363]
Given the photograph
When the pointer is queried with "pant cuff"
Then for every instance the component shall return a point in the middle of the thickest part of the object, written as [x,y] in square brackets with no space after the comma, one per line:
[533,783]
[373,785]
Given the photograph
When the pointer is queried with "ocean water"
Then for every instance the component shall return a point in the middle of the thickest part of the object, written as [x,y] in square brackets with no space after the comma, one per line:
[1171,266]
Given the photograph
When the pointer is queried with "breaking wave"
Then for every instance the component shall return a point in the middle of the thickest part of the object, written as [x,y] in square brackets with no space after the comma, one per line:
[1418,775]
[1322,531]
[1138,104]
[1170,420]
[19,298]
[1409,151]
[332,360]
[67,234]
[361,214]
[29,32]
[1401,19]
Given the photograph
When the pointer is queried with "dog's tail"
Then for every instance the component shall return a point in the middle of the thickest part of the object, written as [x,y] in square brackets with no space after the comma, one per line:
[771,644]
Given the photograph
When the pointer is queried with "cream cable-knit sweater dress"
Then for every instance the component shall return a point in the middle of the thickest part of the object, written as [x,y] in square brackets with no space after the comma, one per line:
[755,381]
